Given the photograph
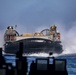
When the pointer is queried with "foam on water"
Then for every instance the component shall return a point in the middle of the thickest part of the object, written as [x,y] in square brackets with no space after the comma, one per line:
[42,55]
[46,54]
[37,54]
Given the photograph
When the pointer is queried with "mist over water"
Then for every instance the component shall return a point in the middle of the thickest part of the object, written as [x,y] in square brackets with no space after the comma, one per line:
[68,38]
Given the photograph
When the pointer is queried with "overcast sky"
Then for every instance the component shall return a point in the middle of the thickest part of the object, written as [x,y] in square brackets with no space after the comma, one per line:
[33,15]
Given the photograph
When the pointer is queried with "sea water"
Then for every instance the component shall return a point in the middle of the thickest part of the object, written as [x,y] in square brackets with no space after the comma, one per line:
[71,62]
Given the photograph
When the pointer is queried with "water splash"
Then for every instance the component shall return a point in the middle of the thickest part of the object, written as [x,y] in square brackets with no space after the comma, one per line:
[42,55]
[69,40]
[37,54]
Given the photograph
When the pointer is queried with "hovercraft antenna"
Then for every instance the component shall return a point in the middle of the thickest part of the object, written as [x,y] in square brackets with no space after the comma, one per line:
[15,27]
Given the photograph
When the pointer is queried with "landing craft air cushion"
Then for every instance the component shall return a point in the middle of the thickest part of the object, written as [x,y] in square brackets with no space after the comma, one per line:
[46,41]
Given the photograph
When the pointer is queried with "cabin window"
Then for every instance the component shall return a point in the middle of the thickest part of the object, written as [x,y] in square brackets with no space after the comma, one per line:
[8,37]
[12,37]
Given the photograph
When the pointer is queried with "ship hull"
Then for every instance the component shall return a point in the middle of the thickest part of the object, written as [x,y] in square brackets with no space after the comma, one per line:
[33,45]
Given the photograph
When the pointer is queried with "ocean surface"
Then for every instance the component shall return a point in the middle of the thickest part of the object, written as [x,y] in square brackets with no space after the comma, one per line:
[71,61]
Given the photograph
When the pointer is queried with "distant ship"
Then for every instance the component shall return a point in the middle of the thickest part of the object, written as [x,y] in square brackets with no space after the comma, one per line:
[45,41]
